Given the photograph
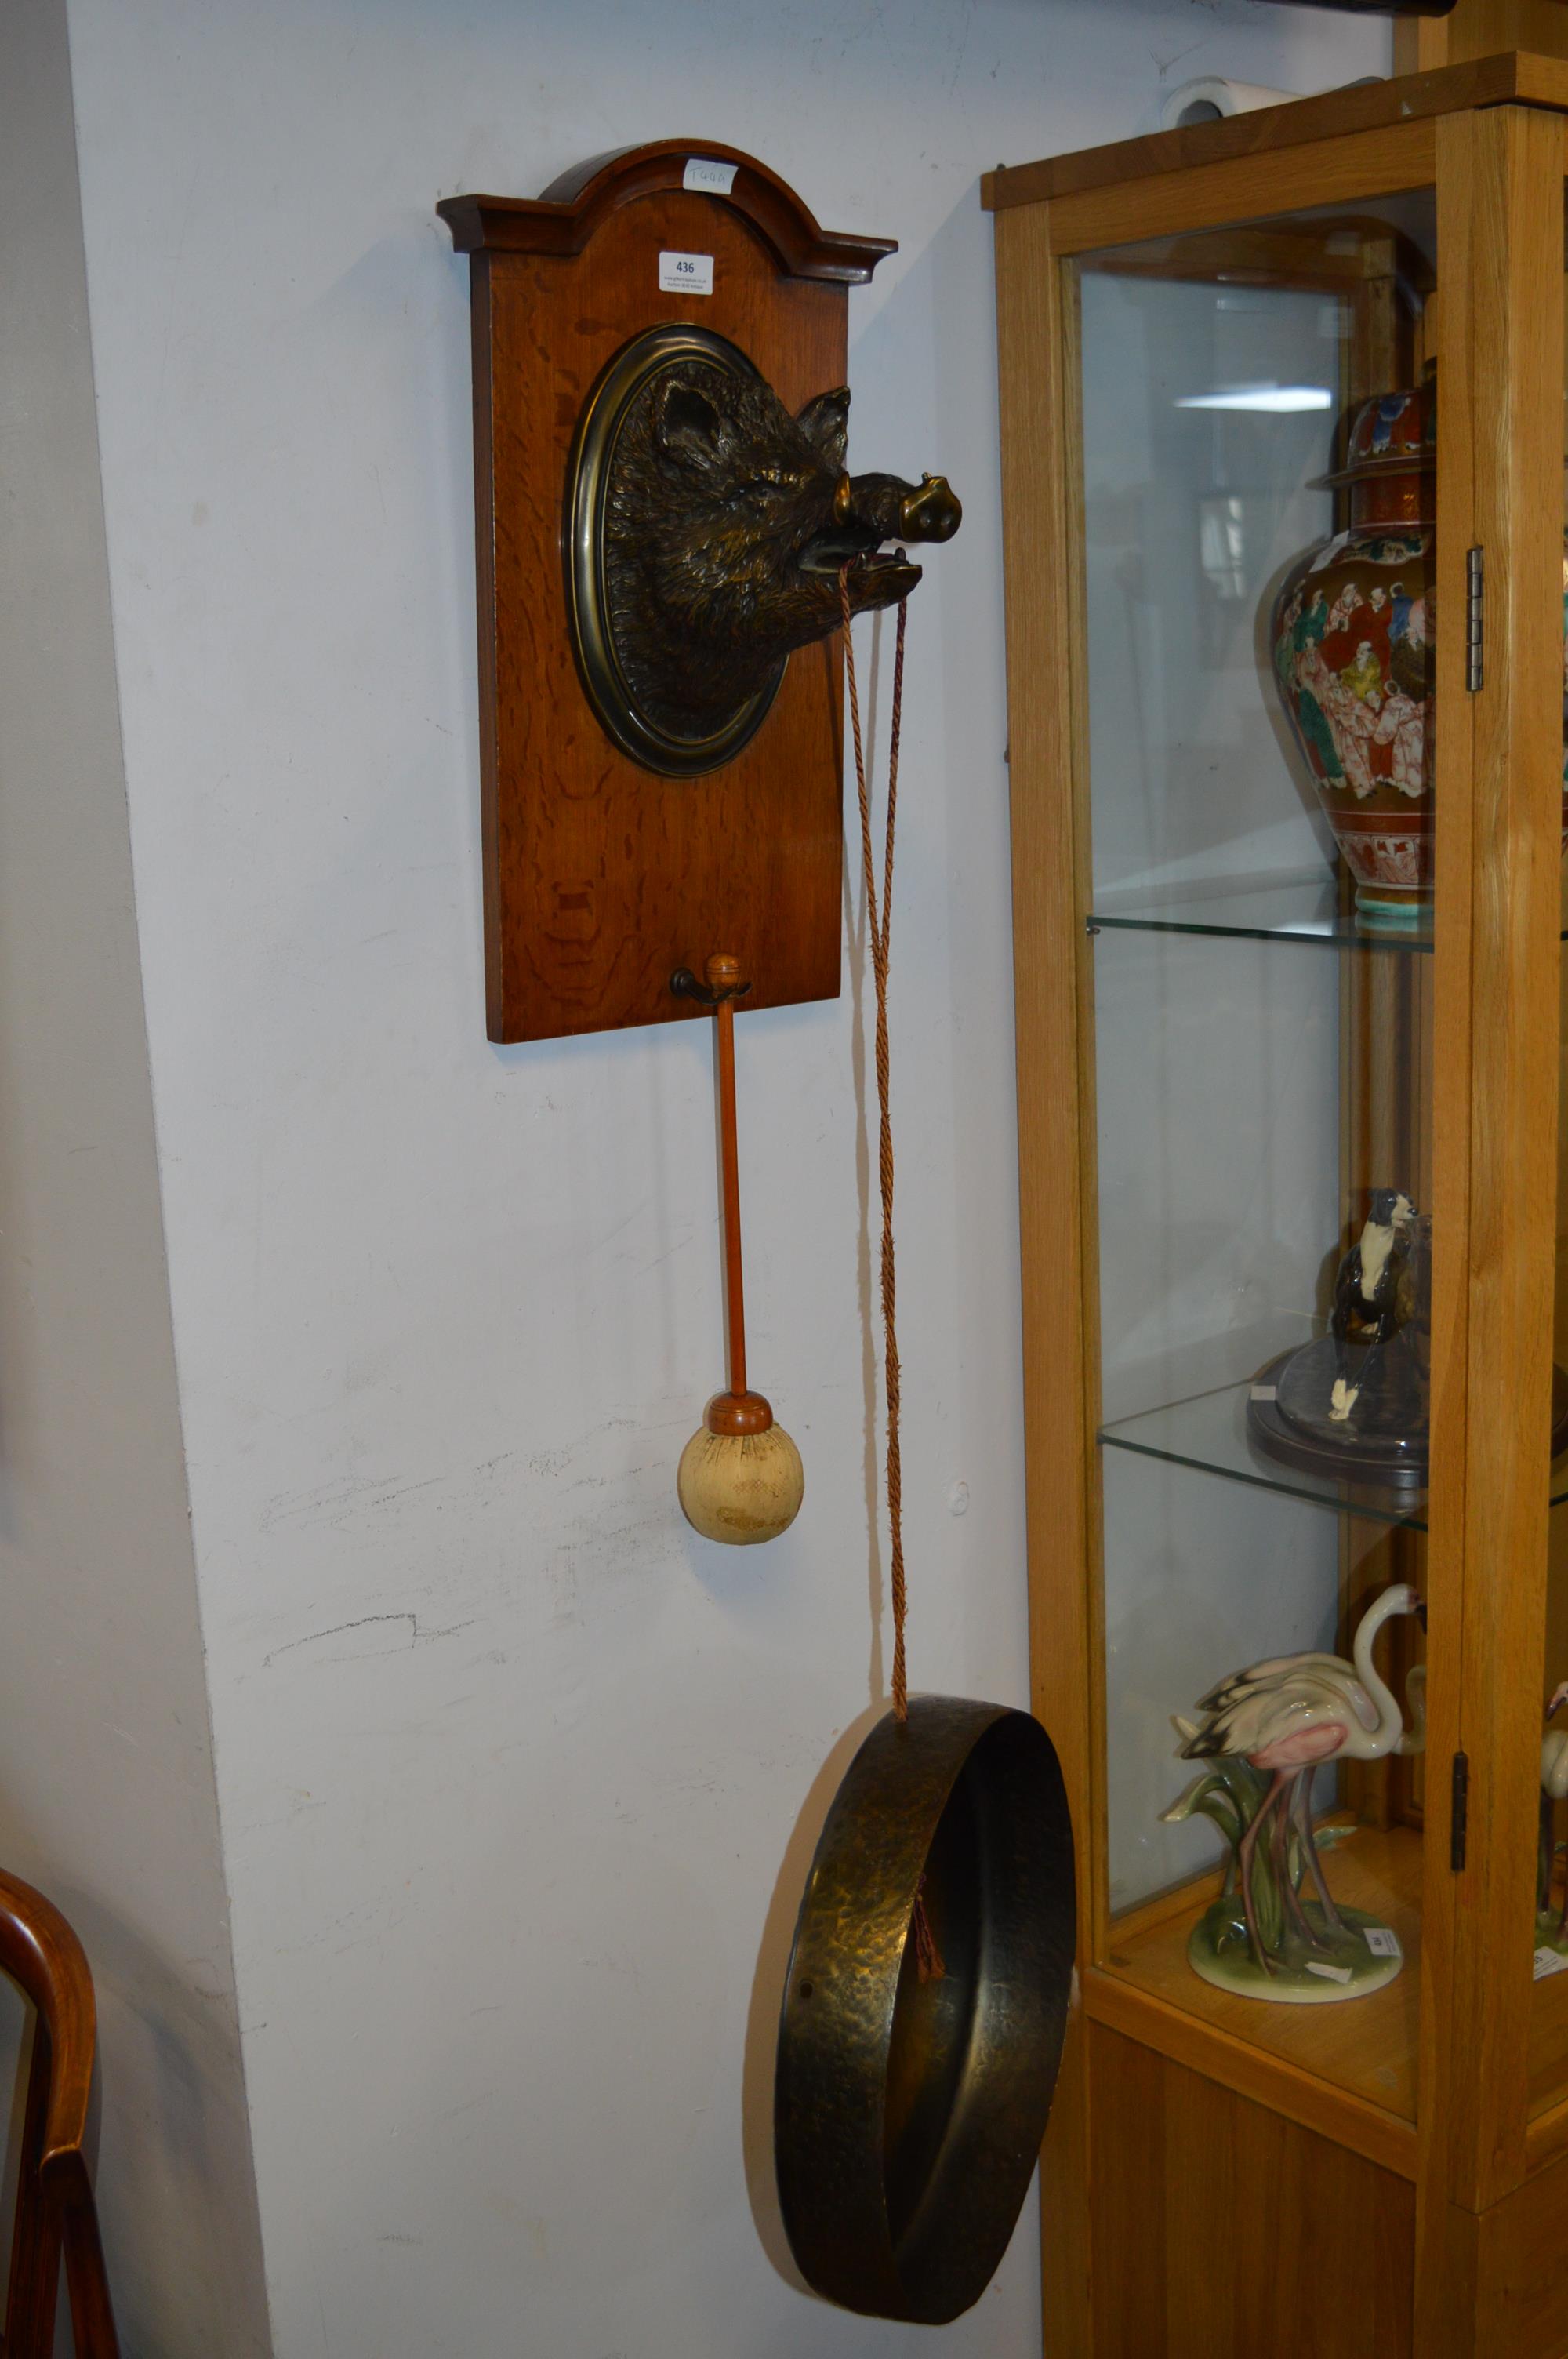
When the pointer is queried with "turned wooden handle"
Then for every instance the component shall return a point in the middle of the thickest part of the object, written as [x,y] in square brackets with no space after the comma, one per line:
[723,972]
[737,1411]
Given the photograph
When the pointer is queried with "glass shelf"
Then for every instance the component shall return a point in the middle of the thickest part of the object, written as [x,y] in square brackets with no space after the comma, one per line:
[1262,909]
[1208,1431]
[1293,908]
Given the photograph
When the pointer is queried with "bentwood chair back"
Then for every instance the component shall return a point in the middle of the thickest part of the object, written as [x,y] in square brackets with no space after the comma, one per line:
[55,2210]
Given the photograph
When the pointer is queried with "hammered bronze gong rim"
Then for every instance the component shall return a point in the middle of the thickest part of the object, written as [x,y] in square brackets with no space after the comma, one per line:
[619,386]
[908,2116]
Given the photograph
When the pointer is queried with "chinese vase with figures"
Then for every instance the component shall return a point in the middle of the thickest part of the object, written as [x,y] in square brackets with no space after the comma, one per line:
[1352,635]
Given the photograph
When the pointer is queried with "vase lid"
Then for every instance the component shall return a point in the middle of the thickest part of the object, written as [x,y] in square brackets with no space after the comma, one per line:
[1392,434]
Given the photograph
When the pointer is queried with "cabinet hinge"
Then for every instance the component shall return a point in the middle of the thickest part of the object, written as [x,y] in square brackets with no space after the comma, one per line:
[1458,1824]
[1474,619]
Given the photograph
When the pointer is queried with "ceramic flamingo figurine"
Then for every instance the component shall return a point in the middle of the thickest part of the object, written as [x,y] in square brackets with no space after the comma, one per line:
[1553,1787]
[1289,1716]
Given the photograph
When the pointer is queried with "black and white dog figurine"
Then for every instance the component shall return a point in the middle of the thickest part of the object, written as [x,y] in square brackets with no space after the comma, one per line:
[1371,1300]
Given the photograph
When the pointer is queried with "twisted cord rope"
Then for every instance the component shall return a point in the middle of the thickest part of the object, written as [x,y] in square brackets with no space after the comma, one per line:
[879,925]
[878,929]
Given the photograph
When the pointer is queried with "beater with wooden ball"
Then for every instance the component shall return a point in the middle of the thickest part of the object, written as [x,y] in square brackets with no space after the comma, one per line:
[740,1479]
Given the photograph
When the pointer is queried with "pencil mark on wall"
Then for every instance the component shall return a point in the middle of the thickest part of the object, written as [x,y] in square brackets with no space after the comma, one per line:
[1165,64]
[336,1502]
[392,1634]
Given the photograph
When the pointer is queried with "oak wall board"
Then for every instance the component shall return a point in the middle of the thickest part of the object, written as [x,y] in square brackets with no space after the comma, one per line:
[601,876]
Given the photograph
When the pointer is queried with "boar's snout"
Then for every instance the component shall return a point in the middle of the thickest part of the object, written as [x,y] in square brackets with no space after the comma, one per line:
[894,510]
[932,513]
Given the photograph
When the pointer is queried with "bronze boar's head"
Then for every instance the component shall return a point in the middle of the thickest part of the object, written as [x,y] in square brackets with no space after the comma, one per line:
[724,524]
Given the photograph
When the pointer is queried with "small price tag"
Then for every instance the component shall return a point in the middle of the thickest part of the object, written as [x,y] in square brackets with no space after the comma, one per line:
[1549,1962]
[712,178]
[1328,1973]
[1263,1392]
[686,274]
[1382,1941]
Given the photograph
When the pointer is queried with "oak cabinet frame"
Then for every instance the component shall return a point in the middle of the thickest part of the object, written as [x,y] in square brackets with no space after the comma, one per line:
[1476,2251]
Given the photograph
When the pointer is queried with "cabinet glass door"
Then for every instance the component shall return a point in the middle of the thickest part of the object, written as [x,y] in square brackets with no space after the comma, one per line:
[1258,433]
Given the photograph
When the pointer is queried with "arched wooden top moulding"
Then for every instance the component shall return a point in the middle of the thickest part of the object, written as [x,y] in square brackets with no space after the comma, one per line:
[573,207]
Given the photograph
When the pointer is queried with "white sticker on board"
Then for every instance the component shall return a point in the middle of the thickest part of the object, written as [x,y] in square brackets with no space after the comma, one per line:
[1549,1962]
[703,172]
[686,274]
[1382,1941]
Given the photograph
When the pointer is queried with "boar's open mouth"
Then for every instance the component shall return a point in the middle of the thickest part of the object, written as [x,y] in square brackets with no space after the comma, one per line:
[887,571]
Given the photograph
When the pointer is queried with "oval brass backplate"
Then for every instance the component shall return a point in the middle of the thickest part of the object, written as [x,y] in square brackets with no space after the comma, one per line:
[629,382]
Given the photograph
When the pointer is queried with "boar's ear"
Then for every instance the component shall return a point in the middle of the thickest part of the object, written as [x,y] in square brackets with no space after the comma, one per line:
[686,422]
[825,423]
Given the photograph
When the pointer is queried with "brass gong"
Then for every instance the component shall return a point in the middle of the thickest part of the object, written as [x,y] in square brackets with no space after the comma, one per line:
[908,2115]
[604,467]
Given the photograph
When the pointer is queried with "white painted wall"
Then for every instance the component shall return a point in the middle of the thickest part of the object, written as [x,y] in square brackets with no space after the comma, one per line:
[107,1798]
[508,1761]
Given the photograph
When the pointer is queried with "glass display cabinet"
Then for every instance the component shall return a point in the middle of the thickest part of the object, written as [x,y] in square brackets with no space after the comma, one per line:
[1283,469]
